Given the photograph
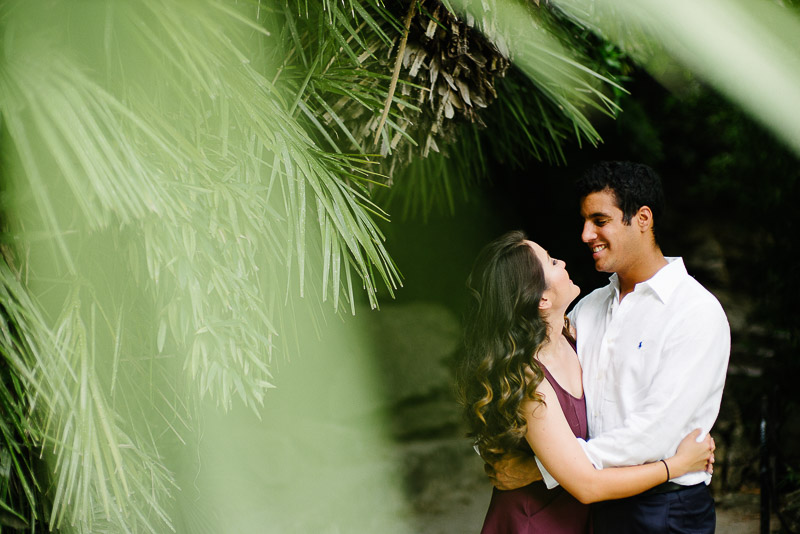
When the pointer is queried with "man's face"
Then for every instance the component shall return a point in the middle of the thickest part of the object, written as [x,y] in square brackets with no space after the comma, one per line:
[614,244]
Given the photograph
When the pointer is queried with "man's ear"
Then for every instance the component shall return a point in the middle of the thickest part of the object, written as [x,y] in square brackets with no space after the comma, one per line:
[644,219]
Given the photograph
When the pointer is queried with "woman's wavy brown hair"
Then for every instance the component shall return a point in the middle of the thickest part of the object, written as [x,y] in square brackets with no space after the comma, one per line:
[503,331]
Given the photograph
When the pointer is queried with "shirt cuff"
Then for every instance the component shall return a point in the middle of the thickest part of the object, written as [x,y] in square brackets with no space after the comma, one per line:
[549,481]
[596,461]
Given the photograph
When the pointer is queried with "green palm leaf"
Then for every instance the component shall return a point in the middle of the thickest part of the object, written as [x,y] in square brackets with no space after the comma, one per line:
[207,195]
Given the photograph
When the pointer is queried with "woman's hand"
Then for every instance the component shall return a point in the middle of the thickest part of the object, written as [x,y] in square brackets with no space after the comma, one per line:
[692,455]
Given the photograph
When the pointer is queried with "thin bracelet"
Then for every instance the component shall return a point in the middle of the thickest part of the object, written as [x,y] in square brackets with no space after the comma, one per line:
[665,465]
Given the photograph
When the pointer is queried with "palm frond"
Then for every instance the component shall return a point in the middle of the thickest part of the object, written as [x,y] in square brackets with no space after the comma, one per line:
[215,132]
[533,117]
[98,469]
[537,49]
[438,183]
[171,159]
[339,98]
[20,506]
[103,468]
[720,42]
[608,21]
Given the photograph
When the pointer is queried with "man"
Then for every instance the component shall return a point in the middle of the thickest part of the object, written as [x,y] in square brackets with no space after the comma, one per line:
[654,347]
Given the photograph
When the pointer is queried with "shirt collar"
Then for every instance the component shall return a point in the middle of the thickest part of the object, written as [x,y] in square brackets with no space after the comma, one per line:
[663,283]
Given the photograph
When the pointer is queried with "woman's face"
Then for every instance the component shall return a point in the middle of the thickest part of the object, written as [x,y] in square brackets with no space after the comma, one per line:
[560,289]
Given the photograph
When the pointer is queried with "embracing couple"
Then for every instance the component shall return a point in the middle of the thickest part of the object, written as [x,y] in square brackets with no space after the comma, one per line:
[605,405]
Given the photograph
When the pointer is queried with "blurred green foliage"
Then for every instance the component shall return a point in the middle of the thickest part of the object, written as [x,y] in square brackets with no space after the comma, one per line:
[179,176]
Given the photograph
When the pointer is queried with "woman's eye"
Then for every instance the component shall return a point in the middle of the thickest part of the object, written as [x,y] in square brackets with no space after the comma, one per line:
[555,261]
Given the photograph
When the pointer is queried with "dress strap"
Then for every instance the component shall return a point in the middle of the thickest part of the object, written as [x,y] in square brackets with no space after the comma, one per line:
[553,382]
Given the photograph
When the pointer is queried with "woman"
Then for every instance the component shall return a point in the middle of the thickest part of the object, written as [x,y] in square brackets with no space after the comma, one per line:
[521,387]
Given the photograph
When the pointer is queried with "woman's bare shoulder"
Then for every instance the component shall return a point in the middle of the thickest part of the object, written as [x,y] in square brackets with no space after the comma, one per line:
[545,399]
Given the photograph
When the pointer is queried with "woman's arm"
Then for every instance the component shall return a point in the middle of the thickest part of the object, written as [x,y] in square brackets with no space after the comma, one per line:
[552,440]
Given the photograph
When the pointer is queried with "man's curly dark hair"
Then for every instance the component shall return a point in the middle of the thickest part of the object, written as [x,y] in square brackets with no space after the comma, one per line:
[633,184]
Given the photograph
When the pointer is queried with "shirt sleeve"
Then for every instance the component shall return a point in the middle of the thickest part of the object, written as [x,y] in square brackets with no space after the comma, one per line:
[685,394]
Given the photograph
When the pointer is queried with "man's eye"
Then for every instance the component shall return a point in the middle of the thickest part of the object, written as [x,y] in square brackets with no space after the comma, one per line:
[600,223]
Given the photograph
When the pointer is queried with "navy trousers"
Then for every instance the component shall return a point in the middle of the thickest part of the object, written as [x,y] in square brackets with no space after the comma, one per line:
[686,511]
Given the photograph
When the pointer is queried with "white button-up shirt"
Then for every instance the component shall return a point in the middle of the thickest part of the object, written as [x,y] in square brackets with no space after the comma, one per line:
[653,367]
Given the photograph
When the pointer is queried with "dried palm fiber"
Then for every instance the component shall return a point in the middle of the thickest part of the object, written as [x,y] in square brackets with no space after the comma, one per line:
[448,73]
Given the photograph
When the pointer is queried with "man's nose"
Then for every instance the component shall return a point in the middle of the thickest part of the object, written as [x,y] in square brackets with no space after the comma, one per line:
[588,234]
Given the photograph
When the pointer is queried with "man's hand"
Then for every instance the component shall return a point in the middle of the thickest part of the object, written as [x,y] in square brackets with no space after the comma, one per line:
[514,470]
[710,464]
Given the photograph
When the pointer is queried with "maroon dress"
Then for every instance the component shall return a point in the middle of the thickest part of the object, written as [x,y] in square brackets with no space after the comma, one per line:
[534,509]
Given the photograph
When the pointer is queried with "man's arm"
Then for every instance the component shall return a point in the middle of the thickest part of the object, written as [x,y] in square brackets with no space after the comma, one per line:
[689,379]
[514,470]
